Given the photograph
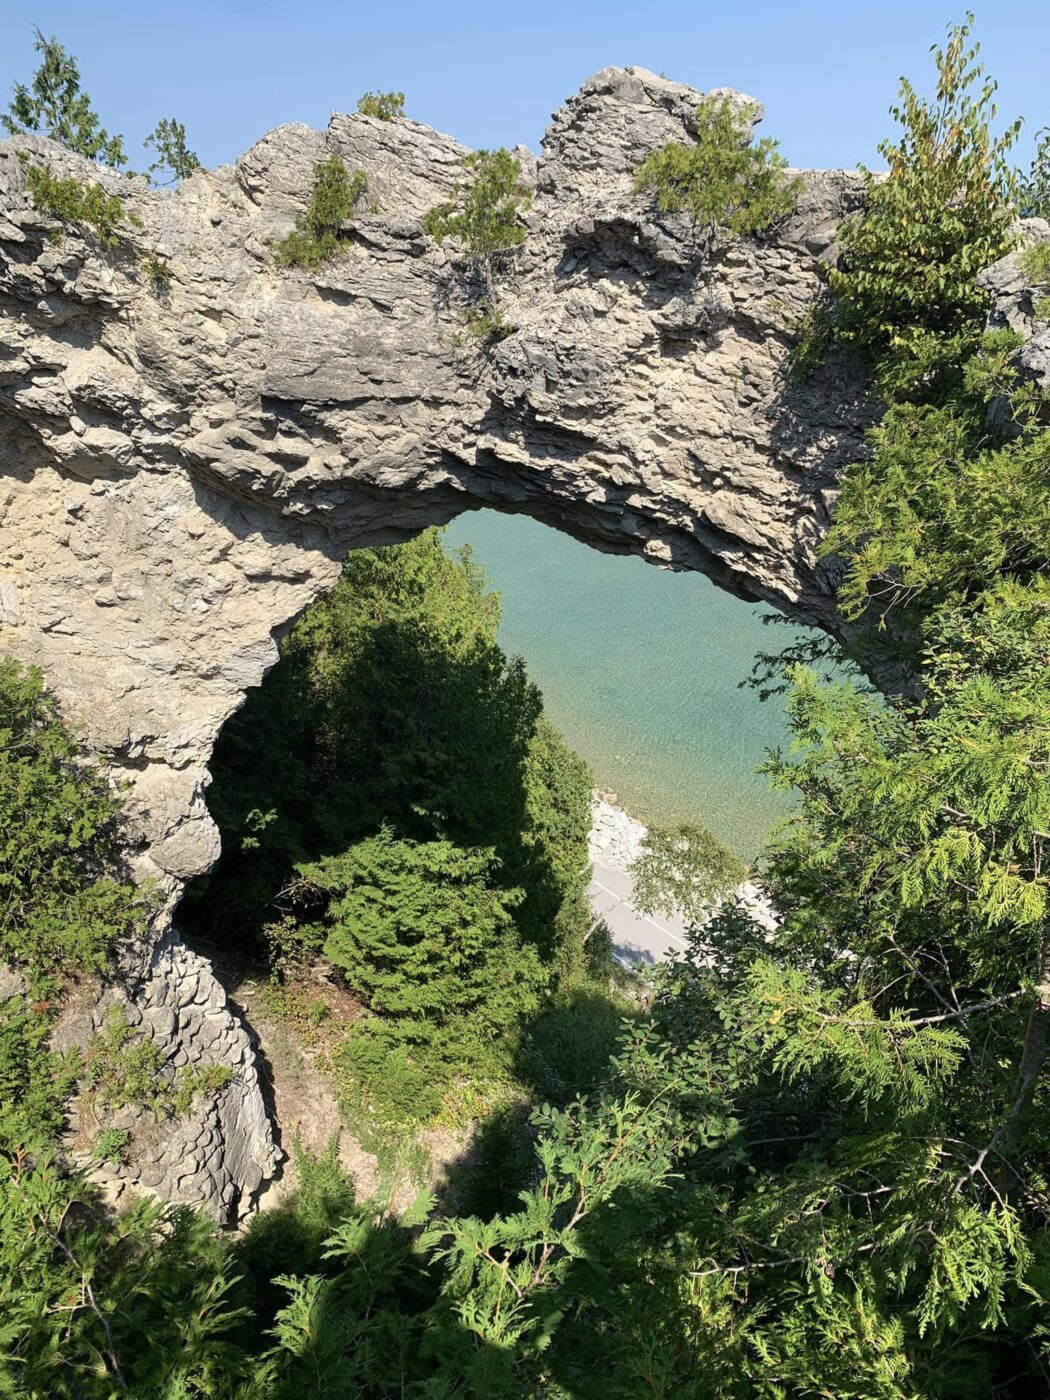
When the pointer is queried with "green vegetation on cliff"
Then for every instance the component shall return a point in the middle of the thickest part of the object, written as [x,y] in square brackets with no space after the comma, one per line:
[484,214]
[818,1166]
[318,234]
[63,903]
[724,180]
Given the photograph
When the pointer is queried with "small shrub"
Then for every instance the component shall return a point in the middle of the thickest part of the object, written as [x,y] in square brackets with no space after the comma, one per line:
[425,933]
[1035,263]
[485,322]
[193,1081]
[168,139]
[158,270]
[384,105]
[724,180]
[386,1082]
[1041,309]
[88,207]
[485,212]
[110,1145]
[291,1238]
[34,1081]
[123,1068]
[318,234]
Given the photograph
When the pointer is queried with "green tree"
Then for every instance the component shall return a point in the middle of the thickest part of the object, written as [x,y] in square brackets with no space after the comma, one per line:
[63,905]
[318,233]
[485,215]
[909,261]
[724,180]
[54,105]
[424,932]
[168,139]
[394,700]
[684,870]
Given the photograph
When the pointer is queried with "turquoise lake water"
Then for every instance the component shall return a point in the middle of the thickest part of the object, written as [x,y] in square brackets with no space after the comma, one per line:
[639,669]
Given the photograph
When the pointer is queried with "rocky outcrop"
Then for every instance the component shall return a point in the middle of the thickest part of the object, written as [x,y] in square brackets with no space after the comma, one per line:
[185,460]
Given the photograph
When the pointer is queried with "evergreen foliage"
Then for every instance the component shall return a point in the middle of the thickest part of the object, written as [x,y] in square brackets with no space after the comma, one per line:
[384,105]
[416,788]
[97,1305]
[62,903]
[318,234]
[425,933]
[394,704]
[168,139]
[87,207]
[485,215]
[724,180]
[55,106]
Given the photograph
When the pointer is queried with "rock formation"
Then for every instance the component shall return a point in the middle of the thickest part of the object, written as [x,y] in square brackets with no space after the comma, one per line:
[186,458]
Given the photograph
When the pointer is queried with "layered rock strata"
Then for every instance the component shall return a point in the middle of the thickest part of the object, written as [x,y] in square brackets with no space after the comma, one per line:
[191,438]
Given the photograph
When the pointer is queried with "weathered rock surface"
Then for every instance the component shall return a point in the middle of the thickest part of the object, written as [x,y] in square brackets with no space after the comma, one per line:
[185,462]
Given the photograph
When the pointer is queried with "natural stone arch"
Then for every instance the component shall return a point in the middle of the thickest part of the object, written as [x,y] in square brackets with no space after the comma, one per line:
[185,464]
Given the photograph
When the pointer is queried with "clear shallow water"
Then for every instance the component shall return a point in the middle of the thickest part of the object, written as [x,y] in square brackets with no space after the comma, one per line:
[639,669]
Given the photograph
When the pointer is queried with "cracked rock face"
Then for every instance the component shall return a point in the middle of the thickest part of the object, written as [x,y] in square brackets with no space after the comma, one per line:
[184,461]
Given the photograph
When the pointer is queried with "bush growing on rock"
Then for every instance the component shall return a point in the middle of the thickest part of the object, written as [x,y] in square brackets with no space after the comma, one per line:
[90,208]
[724,180]
[318,233]
[384,105]
[63,904]
[485,215]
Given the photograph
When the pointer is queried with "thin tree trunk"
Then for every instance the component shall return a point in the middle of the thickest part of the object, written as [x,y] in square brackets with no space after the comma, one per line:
[1035,1047]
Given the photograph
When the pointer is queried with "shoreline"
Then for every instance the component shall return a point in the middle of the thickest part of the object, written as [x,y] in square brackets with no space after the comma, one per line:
[616,840]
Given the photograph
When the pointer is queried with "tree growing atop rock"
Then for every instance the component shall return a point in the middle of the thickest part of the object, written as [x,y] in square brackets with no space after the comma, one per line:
[168,139]
[724,180]
[910,259]
[384,105]
[55,106]
[485,215]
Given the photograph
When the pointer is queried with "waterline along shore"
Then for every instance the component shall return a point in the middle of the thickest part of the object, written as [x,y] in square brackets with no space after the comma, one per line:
[616,841]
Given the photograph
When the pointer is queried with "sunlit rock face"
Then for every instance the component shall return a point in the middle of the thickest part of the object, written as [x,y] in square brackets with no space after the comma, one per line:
[186,460]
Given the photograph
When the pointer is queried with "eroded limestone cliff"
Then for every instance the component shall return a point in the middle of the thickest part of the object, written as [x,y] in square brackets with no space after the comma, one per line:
[183,463]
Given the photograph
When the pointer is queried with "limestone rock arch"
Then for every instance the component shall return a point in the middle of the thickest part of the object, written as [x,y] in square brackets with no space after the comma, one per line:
[184,461]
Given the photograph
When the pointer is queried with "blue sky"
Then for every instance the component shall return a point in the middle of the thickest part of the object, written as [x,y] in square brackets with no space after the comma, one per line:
[491,74]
